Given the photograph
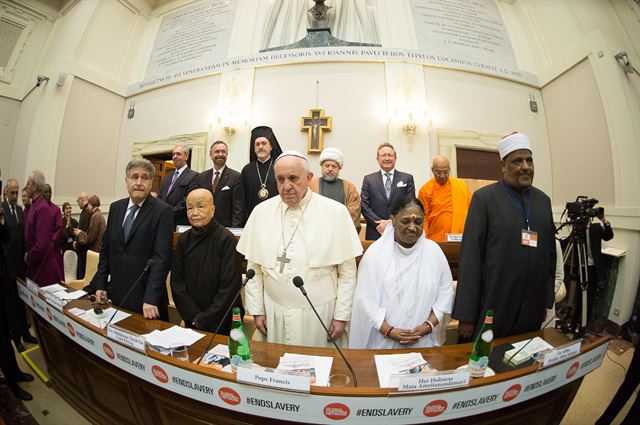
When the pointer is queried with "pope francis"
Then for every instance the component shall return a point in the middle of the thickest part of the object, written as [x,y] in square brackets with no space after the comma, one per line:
[299,233]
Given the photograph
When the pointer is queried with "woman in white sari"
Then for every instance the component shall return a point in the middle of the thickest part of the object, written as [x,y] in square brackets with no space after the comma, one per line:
[404,286]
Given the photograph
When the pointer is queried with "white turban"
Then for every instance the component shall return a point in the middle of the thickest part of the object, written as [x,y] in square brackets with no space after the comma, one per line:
[513,142]
[332,154]
[291,153]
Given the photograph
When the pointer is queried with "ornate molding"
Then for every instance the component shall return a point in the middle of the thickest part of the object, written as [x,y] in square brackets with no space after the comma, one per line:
[197,142]
[448,140]
[24,18]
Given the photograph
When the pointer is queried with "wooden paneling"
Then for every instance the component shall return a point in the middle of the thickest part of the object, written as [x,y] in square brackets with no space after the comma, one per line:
[478,164]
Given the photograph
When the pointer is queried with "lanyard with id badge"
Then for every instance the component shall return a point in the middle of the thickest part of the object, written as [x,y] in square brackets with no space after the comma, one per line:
[528,237]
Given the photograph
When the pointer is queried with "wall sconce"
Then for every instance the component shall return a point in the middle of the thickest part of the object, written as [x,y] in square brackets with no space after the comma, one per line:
[226,125]
[410,127]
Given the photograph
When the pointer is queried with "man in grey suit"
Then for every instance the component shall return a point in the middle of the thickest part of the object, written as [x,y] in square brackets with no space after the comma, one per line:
[175,186]
[14,254]
[138,231]
[381,189]
[226,186]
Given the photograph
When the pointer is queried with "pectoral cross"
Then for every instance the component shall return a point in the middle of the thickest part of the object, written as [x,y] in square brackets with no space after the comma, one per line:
[315,124]
[283,260]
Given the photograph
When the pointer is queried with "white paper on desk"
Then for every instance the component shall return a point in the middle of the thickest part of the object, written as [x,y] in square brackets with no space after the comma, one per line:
[393,364]
[102,322]
[77,311]
[173,337]
[322,365]
[537,345]
[71,295]
[53,288]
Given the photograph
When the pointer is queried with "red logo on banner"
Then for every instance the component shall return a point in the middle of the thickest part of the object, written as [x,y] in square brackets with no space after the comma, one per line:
[573,369]
[72,332]
[33,302]
[511,393]
[229,396]
[49,314]
[435,408]
[108,351]
[160,374]
[336,411]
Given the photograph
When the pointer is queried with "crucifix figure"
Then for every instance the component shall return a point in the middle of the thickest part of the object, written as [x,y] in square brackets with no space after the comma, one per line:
[315,124]
[283,260]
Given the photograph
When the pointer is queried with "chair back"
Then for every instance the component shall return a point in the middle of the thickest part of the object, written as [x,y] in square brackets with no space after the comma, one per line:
[70,262]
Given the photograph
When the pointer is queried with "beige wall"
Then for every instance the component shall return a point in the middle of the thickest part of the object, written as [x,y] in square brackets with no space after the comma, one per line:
[88,143]
[581,147]
[9,109]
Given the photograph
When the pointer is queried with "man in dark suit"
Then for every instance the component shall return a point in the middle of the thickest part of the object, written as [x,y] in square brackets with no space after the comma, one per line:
[381,189]
[226,186]
[10,370]
[139,229]
[14,254]
[175,186]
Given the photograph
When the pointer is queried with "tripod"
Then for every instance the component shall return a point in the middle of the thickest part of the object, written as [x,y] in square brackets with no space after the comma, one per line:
[575,255]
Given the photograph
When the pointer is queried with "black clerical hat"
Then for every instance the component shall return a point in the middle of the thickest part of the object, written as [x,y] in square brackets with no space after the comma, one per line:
[264,131]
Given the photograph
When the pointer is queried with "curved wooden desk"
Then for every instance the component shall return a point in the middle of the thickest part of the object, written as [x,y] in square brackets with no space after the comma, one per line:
[110,383]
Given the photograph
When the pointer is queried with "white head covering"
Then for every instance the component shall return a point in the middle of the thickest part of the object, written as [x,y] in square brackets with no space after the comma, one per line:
[513,142]
[291,153]
[332,154]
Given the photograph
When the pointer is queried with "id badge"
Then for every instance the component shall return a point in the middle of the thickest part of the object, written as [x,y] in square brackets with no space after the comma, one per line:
[529,238]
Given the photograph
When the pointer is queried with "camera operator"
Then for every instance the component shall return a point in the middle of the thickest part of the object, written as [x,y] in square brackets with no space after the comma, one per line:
[596,233]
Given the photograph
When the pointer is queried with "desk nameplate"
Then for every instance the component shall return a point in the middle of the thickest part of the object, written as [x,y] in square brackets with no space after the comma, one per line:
[560,354]
[272,379]
[437,381]
[127,338]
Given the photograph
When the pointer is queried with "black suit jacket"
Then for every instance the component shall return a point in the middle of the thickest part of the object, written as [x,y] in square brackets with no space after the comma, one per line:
[179,191]
[597,234]
[150,238]
[14,247]
[228,196]
[375,205]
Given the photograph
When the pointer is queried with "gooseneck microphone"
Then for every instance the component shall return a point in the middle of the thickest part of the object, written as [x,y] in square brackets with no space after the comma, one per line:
[249,275]
[299,283]
[144,272]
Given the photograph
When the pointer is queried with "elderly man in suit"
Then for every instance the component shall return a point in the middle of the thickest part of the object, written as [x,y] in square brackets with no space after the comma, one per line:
[226,186]
[175,186]
[14,253]
[381,189]
[138,230]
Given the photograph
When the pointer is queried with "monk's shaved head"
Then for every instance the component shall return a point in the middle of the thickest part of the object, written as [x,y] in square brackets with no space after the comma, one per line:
[200,208]
[440,169]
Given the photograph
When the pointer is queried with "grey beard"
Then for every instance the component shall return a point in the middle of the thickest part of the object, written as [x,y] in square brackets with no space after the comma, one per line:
[329,179]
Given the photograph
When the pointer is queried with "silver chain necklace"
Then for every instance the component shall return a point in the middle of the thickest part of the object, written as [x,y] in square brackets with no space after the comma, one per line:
[283,258]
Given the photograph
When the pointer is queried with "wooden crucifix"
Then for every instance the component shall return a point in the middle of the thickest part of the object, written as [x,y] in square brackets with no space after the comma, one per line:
[315,124]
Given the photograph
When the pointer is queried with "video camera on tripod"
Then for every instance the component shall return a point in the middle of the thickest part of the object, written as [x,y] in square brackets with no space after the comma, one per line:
[579,215]
[582,209]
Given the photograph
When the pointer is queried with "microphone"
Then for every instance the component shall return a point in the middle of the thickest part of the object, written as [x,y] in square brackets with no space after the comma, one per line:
[249,275]
[530,339]
[144,272]
[299,283]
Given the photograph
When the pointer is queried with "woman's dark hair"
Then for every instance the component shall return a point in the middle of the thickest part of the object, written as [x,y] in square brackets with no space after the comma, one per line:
[65,206]
[405,202]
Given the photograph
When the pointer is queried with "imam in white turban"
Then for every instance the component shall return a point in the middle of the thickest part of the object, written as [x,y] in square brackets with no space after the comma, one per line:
[332,154]
[513,142]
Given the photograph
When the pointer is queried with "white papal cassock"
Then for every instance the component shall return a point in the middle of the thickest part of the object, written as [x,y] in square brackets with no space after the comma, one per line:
[321,245]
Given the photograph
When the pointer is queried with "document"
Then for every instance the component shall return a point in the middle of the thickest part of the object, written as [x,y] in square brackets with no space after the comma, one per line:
[318,368]
[391,366]
[173,337]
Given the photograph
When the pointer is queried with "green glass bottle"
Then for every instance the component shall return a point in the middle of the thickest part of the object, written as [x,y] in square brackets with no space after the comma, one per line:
[238,342]
[479,360]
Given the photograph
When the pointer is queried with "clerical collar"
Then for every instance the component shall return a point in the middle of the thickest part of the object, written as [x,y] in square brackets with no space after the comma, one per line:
[265,161]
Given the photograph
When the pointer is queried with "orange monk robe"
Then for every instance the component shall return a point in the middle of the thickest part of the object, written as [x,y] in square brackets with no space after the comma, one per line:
[445,207]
